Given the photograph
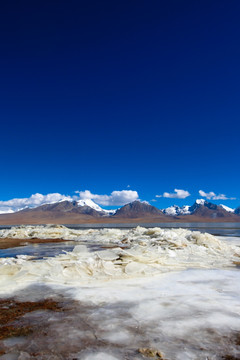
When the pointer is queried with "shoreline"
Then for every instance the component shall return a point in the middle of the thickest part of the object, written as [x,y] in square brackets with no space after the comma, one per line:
[133,223]
[7,243]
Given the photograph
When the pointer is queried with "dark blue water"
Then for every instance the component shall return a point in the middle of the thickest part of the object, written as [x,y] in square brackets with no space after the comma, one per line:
[218,229]
[40,251]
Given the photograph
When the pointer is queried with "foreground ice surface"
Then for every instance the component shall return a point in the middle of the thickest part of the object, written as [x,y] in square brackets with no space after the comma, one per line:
[173,290]
[191,314]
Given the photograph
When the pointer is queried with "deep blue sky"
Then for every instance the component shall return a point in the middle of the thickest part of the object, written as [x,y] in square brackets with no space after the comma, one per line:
[99,95]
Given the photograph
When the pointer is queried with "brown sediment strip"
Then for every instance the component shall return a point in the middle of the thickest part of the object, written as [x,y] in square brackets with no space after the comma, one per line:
[14,324]
[6,243]
[44,341]
[11,310]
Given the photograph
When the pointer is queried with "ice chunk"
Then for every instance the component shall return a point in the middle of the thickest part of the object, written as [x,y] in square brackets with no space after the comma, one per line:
[100,356]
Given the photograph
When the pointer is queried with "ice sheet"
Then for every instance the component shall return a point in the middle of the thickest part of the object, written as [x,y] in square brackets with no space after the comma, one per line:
[191,314]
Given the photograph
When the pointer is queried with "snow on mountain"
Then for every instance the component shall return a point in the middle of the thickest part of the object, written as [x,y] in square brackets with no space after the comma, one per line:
[90,203]
[203,202]
[93,205]
[177,210]
[227,208]
[174,210]
[200,201]
[187,210]
[110,212]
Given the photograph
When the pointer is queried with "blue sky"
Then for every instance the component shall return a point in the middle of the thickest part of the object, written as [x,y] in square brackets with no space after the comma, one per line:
[101,95]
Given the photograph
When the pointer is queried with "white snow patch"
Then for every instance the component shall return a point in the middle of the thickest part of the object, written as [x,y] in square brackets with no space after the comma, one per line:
[93,205]
[200,201]
[90,203]
[226,208]
[177,210]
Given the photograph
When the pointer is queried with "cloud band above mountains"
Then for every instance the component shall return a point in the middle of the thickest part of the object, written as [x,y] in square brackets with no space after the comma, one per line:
[116,198]
[33,201]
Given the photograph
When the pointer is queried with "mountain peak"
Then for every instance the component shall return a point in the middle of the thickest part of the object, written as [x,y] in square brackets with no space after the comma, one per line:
[90,203]
[200,201]
[136,209]
[176,210]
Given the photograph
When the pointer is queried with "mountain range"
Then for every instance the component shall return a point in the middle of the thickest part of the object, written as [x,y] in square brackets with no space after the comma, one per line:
[86,211]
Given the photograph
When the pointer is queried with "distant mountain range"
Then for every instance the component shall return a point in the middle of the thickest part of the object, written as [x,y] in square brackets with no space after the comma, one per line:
[200,207]
[86,211]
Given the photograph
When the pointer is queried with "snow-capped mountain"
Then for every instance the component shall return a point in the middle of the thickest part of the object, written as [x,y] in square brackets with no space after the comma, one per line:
[93,205]
[85,211]
[201,207]
[90,203]
[81,206]
[200,202]
[176,210]
[205,209]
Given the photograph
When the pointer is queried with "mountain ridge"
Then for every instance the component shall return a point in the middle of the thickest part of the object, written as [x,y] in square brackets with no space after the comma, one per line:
[82,211]
[137,208]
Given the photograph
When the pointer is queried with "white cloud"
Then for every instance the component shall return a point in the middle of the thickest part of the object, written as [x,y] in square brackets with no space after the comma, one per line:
[116,198]
[212,196]
[6,210]
[177,194]
[33,201]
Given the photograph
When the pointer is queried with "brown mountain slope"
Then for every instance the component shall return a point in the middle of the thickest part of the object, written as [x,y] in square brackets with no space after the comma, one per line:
[64,207]
[50,218]
[67,212]
[136,212]
[210,210]
[138,209]
[46,217]
[57,213]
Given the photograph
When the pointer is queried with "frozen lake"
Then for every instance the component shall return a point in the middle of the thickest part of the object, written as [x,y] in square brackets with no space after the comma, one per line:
[126,294]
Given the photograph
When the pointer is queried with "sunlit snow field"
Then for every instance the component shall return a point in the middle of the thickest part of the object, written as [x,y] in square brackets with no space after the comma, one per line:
[173,290]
